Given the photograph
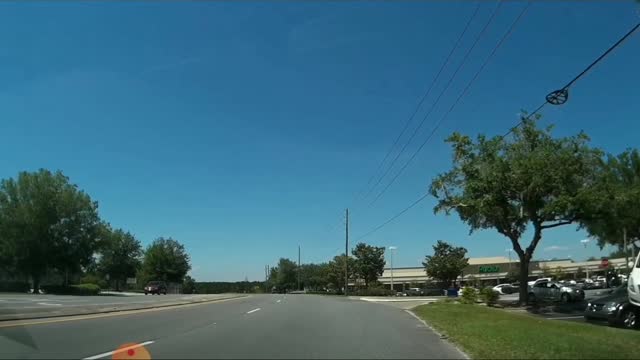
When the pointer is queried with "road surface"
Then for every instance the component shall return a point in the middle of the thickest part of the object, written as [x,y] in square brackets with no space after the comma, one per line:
[259,326]
[25,306]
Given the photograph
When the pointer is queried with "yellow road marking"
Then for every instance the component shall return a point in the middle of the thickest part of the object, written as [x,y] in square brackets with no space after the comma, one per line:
[14,323]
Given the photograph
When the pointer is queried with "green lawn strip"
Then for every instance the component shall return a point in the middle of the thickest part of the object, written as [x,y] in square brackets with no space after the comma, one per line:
[493,333]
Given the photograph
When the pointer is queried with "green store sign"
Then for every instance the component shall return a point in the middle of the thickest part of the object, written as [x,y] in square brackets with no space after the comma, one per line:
[489,269]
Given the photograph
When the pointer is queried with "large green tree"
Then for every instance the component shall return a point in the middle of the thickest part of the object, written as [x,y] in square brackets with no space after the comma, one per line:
[165,259]
[46,223]
[510,184]
[314,276]
[369,262]
[287,276]
[446,263]
[337,271]
[615,209]
[120,257]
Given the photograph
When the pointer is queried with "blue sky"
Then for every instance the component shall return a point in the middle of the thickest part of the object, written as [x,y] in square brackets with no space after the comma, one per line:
[244,129]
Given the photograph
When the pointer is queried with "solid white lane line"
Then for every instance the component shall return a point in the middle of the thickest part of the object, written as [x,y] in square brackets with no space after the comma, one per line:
[252,311]
[48,304]
[118,350]
[278,301]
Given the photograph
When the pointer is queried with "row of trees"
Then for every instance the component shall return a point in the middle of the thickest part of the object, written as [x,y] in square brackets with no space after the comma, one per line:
[47,224]
[365,264]
[535,181]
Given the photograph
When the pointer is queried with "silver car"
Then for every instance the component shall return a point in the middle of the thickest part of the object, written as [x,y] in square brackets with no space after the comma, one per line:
[553,291]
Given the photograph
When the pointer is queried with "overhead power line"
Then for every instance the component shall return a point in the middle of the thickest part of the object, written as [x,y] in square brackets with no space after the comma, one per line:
[455,103]
[393,217]
[561,96]
[449,82]
[588,68]
[424,96]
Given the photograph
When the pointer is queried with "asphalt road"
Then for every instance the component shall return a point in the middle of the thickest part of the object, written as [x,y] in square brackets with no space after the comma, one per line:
[259,326]
[25,306]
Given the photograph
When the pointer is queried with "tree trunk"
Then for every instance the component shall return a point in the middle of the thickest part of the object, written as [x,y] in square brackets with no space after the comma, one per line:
[36,283]
[524,277]
[66,277]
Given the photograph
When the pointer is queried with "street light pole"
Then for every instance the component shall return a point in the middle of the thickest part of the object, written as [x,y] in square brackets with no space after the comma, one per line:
[346,254]
[586,268]
[392,248]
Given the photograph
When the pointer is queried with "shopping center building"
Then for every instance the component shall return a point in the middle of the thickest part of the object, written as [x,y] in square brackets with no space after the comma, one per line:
[494,270]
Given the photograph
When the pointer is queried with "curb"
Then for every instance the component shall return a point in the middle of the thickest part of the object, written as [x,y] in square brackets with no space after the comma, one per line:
[42,317]
[442,336]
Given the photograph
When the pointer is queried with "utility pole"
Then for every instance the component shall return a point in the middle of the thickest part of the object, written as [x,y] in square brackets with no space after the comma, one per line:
[346,255]
[298,267]
[391,249]
[626,251]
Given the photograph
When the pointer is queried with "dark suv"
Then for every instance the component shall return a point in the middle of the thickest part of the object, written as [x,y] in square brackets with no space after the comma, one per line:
[155,287]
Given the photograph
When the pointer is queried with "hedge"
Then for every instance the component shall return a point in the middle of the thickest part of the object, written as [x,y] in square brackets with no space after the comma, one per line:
[375,292]
[82,289]
[14,286]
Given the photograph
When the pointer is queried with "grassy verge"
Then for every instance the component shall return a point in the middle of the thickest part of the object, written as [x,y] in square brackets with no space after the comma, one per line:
[497,334]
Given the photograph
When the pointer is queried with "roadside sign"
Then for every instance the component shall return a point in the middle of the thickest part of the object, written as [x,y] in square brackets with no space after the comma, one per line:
[131,281]
[604,263]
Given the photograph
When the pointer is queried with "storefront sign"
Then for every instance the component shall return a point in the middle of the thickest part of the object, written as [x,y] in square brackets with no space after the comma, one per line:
[489,269]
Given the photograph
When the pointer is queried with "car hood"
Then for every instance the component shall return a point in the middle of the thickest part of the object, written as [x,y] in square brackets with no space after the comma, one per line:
[611,298]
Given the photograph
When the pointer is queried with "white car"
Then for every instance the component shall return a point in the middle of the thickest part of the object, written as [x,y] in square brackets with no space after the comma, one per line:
[633,284]
[537,281]
[505,289]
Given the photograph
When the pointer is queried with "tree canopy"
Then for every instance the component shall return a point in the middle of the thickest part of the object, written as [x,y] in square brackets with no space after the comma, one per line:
[121,256]
[287,277]
[314,276]
[166,259]
[446,263]
[369,262]
[46,223]
[615,209]
[337,271]
[509,184]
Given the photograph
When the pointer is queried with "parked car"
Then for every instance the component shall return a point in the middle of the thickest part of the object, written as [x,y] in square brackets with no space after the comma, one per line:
[633,284]
[155,287]
[586,285]
[614,308]
[534,282]
[414,292]
[505,289]
[554,291]
[599,284]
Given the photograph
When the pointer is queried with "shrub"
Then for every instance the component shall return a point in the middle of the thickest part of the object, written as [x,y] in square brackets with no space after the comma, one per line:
[489,296]
[86,289]
[374,292]
[94,279]
[469,295]
[14,286]
[433,292]
[82,289]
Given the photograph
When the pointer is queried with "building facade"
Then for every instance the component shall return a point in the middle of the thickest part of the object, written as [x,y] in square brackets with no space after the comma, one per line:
[494,270]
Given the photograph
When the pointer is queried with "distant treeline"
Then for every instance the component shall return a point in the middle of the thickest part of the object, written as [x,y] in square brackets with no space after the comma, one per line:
[218,287]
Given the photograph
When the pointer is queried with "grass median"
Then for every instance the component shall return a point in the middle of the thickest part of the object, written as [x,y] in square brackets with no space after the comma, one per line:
[484,332]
